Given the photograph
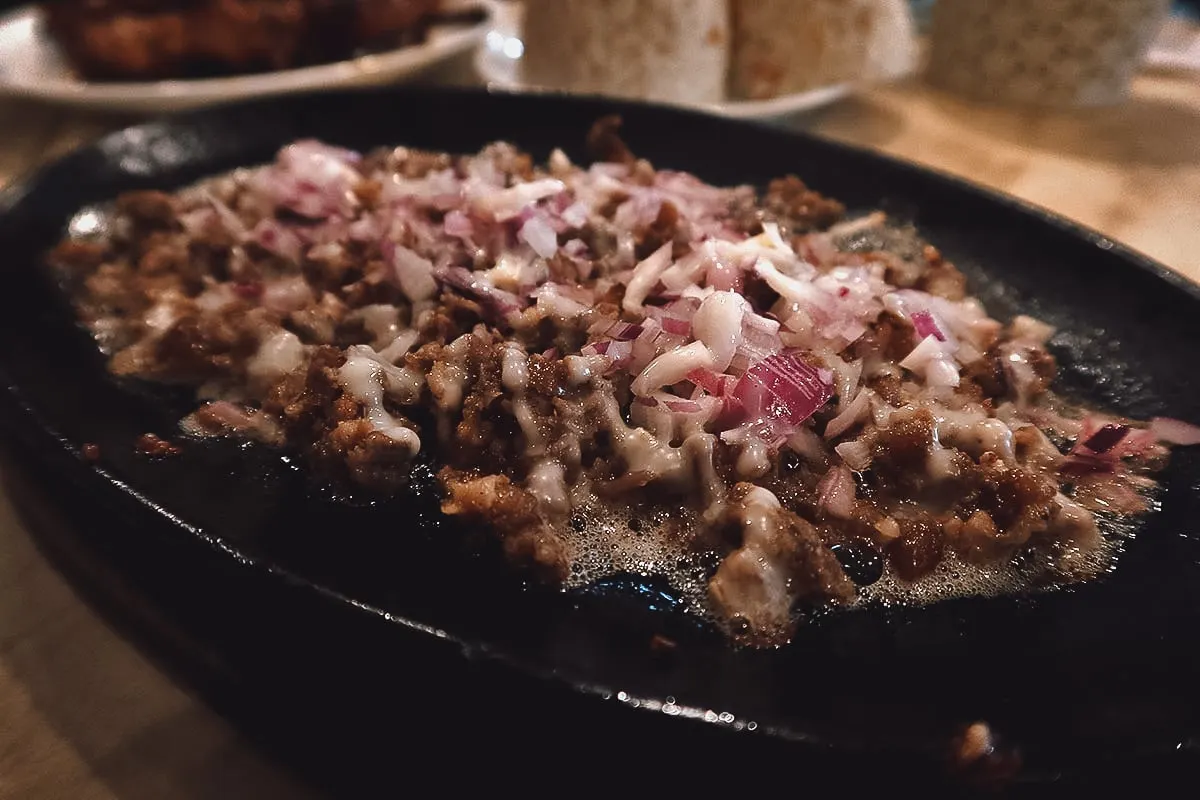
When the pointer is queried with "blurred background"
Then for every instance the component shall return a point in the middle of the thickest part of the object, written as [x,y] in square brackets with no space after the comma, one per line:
[1090,108]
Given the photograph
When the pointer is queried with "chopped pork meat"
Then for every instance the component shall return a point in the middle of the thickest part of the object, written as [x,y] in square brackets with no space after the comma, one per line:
[760,379]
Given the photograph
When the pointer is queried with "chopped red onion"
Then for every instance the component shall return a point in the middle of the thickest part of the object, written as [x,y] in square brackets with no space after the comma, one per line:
[621,353]
[926,326]
[683,406]
[1020,373]
[506,204]
[645,346]
[929,360]
[855,453]
[1174,431]
[677,326]
[835,492]
[498,301]
[1030,330]
[942,372]
[557,305]
[575,215]
[855,412]
[440,189]
[760,340]
[712,382]
[1098,448]
[610,170]
[227,217]
[719,323]
[846,378]
[724,276]
[683,307]
[639,211]
[771,232]
[578,293]
[1136,443]
[201,220]
[414,273]
[806,444]
[1106,438]
[275,238]
[757,326]
[697,293]
[685,272]
[367,228]
[785,388]
[618,330]
[645,276]
[731,412]
[458,224]
[817,249]
[665,340]
[312,180]
[286,294]
[320,155]
[538,234]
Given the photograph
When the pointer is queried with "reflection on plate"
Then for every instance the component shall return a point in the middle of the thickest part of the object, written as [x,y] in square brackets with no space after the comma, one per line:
[499,64]
[32,66]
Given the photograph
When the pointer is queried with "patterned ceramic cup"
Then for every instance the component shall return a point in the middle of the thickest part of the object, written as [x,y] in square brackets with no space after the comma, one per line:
[671,50]
[1041,52]
[785,46]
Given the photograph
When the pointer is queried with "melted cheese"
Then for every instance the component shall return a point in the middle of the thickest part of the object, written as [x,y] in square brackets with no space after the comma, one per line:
[514,369]
[362,376]
[754,460]
[547,482]
[973,432]
[277,355]
[672,367]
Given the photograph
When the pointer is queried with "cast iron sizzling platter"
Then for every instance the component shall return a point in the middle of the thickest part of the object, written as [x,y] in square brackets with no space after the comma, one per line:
[1102,673]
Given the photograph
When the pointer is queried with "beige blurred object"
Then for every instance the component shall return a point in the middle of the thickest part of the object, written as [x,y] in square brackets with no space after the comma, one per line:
[1042,52]
[783,46]
[670,50]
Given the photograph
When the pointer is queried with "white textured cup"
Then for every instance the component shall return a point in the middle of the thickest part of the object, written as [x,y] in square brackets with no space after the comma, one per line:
[668,50]
[1041,52]
[786,46]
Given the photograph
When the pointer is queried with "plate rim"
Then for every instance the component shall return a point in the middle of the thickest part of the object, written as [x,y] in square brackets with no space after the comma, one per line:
[796,103]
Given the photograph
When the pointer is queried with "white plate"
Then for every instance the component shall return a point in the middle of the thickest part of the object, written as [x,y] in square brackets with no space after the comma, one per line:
[1177,46]
[32,66]
[498,63]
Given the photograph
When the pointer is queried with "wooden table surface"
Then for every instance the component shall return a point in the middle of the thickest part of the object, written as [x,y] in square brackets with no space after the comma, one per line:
[85,714]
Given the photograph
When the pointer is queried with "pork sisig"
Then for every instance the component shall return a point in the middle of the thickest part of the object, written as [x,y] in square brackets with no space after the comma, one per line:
[621,367]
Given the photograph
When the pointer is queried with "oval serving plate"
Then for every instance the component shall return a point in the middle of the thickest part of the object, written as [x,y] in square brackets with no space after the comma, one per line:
[1101,674]
[498,63]
[32,66]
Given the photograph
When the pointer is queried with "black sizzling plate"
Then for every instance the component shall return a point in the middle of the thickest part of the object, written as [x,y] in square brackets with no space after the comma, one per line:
[1102,674]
